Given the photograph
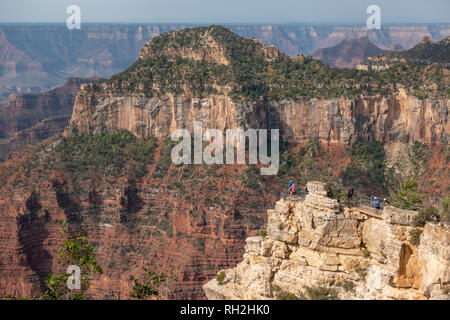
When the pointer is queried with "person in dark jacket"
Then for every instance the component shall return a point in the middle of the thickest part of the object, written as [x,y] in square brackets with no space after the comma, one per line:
[350,193]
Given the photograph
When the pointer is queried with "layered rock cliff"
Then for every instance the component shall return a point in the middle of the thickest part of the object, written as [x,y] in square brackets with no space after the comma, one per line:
[318,243]
[238,92]
[30,118]
[162,92]
[192,218]
[396,118]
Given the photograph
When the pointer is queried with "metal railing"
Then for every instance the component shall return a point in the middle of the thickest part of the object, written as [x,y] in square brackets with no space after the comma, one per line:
[374,205]
[363,202]
[368,204]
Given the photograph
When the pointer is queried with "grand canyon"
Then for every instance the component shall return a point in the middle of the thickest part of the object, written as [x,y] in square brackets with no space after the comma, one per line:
[85,138]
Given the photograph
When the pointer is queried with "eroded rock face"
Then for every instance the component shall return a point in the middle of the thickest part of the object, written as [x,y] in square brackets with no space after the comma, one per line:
[136,224]
[319,243]
[399,118]
[435,258]
[30,118]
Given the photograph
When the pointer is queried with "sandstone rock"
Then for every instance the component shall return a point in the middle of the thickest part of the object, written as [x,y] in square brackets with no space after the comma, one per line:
[317,187]
[254,244]
[351,263]
[332,120]
[282,224]
[329,251]
[434,254]
[398,216]
[280,250]
[266,247]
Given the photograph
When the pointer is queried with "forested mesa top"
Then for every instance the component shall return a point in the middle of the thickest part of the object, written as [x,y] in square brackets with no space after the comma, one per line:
[214,60]
[424,53]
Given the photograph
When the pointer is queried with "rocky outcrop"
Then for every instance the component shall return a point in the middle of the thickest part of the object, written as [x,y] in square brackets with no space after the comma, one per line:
[320,243]
[140,100]
[435,258]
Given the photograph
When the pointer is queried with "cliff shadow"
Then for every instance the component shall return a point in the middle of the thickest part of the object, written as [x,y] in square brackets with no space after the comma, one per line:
[33,235]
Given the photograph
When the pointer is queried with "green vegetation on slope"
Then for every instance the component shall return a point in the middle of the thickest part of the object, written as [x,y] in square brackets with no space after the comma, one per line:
[424,53]
[305,164]
[151,285]
[408,196]
[250,74]
[87,155]
[75,251]
[366,170]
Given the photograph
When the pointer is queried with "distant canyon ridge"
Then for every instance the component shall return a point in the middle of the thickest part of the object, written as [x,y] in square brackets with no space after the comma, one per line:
[36,58]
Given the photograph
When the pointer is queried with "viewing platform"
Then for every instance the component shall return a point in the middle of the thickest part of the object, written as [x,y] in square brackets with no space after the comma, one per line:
[365,205]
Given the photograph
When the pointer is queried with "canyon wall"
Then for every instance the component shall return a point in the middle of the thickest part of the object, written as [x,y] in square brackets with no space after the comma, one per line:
[30,118]
[320,243]
[155,221]
[396,118]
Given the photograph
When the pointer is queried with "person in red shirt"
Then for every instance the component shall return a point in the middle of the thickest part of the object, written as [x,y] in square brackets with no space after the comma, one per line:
[292,189]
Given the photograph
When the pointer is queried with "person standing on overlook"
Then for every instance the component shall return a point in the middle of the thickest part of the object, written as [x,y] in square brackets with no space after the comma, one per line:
[350,193]
[291,186]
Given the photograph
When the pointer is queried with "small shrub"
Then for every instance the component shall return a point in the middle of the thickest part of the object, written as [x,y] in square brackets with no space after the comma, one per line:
[321,293]
[445,209]
[220,277]
[365,253]
[361,271]
[408,196]
[426,214]
[284,295]
[415,236]
[263,233]
[150,286]
[348,285]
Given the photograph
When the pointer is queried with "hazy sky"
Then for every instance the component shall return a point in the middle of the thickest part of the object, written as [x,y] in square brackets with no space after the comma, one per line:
[227,11]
